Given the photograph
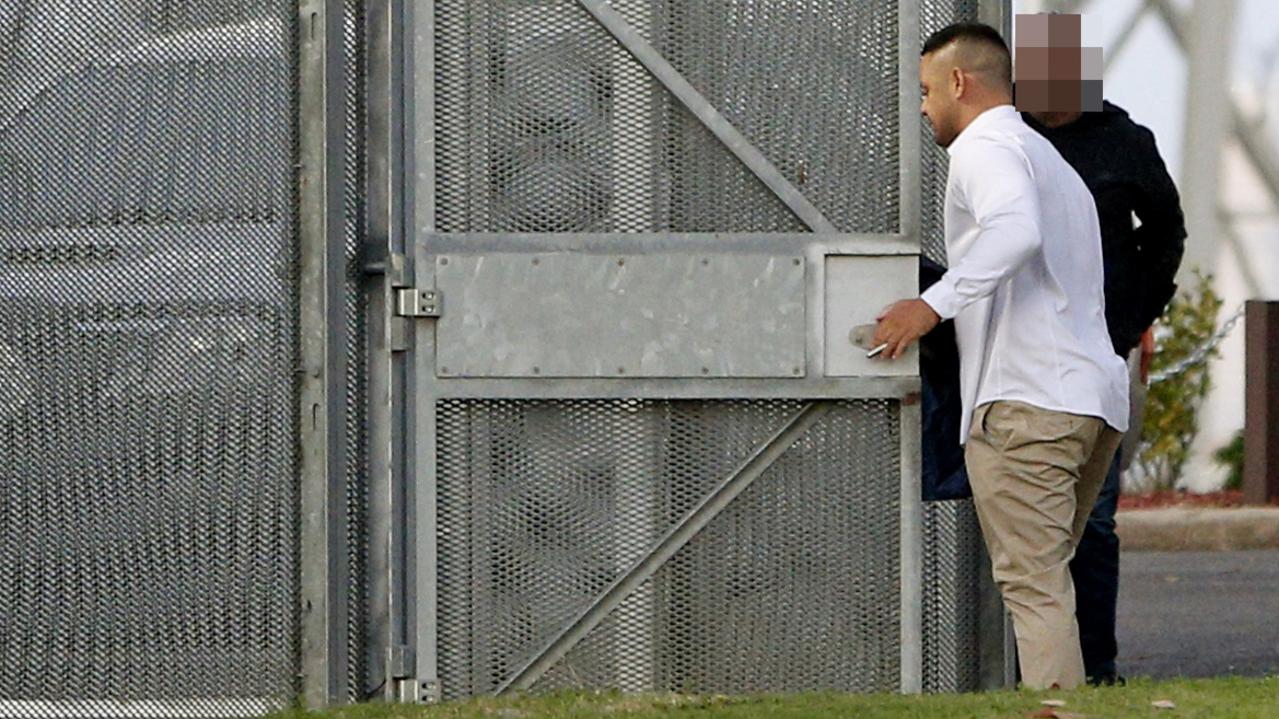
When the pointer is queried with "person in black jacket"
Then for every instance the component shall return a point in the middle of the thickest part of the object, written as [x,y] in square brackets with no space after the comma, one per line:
[1119,162]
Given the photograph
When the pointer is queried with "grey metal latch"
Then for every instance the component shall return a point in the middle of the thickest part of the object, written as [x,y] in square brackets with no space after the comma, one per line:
[413,302]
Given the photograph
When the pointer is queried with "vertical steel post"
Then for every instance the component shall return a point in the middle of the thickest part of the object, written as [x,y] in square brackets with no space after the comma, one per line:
[420,198]
[322,395]
[996,645]
[912,511]
[909,119]
[912,564]
[999,15]
[389,335]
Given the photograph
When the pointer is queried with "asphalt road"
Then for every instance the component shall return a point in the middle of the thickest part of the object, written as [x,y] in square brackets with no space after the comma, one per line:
[1199,614]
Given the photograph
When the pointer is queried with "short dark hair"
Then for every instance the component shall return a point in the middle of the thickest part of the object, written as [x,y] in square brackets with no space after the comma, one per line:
[971,31]
[976,33]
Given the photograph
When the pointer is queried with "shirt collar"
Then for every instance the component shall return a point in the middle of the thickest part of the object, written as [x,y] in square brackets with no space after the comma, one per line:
[990,117]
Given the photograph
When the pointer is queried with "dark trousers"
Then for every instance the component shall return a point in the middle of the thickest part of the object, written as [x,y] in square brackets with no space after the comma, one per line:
[1095,570]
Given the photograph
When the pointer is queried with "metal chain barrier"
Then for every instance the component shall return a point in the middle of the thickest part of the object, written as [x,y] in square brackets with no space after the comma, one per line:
[1200,355]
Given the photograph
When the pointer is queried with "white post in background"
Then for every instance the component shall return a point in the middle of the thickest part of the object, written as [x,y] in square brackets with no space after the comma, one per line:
[1207,124]
[1208,101]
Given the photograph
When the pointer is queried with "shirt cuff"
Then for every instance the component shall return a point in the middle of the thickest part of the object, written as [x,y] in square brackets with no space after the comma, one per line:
[942,298]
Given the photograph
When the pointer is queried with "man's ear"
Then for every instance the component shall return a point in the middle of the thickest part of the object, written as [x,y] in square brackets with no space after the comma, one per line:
[958,83]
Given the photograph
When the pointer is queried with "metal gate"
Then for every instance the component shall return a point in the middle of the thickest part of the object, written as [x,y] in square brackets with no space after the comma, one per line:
[360,348]
[645,452]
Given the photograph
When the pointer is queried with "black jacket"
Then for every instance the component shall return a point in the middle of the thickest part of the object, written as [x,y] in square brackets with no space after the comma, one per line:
[1120,164]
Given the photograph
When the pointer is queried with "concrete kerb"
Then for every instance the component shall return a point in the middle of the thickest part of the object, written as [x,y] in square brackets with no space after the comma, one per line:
[1187,529]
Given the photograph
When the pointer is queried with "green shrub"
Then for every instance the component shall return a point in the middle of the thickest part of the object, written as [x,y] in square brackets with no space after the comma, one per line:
[1172,406]
[1231,457]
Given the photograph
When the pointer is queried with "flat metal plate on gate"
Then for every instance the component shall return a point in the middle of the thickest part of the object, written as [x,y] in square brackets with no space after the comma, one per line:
[663,315]
[857,289]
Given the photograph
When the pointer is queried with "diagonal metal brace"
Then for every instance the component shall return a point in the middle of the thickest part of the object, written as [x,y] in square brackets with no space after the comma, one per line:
[665,73]
[760,460]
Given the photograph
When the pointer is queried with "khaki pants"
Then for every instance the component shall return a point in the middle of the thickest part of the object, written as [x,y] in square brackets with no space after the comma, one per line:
[1035,476]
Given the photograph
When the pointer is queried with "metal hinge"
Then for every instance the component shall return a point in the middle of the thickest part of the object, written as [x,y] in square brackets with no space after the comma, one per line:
[429,691]
[401,666]
[412,302]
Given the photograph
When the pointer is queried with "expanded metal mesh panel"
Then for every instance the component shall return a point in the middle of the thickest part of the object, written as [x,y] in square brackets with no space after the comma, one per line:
[542,504]
[935,15]
[951,577]
[355,167]
[148,498]
[812,83]
[545,124]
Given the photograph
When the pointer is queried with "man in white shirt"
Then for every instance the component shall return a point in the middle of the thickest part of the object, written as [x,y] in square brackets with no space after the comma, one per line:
[1045,397]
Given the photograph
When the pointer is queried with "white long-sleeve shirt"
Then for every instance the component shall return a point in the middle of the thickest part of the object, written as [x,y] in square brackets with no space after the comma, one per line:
[1025,285]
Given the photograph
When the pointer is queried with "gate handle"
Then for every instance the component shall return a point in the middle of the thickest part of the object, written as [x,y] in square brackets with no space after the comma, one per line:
[862,336]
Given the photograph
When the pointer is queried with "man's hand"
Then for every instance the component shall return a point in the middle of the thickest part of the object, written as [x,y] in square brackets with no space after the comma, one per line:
[901,323]
[1147,353]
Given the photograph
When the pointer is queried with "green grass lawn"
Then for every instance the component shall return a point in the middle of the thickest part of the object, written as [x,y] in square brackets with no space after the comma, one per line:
[1230,698]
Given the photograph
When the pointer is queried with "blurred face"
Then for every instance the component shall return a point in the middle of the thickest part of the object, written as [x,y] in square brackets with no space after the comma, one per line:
[1055,119]
[940,89]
